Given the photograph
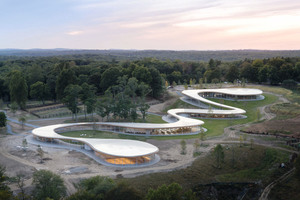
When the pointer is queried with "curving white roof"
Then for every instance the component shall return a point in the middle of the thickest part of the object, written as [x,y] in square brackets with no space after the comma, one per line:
[114,147]
[132,148]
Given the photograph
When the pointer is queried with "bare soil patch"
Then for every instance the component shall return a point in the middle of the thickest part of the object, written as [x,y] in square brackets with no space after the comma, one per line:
[289,127]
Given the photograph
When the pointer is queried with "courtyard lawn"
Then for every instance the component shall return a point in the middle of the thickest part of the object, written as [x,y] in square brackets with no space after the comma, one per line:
[101,134]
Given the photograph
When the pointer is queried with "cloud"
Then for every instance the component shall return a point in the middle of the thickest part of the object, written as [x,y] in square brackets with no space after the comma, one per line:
[74,33]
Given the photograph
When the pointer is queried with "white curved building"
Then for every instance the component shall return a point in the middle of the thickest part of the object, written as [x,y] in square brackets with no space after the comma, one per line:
[130,152]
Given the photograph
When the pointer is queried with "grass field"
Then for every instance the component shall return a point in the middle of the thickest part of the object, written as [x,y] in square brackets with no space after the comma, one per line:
[215,127]
[259,164]
[101,134]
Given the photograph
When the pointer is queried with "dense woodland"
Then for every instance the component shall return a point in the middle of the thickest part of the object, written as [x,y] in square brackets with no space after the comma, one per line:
[75,80]
[223,55]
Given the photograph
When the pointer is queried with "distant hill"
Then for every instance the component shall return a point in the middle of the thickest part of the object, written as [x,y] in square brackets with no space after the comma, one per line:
[224,55]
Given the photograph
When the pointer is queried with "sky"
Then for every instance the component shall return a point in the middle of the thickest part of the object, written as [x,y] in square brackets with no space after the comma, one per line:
[150,24]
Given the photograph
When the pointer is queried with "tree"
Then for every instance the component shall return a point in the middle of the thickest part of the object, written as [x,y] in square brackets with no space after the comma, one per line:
[22,119]
[18,89]
[109,78]
[19,179]
[123,192]
[219,155]
[64,79]
[97,186]
[156,83]
[202,134]
[14,107]
[142,74]
[290,84]
[41,153]
[143,108]
[34,74]
[88,98]
[3,119]
[48,184]
[297,166]
[5,192]
[40,91]
[171,192]
[24,144]
[71,99]
[196,146]
[232,73]
[183,147]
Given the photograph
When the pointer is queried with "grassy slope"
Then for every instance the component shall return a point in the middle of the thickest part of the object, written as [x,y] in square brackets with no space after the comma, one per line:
[250,165]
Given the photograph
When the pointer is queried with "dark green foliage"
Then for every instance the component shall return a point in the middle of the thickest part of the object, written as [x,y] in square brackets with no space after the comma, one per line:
[123,192]
[297,166]
[219,155]
[71,98]
[3,119]
[48,184]
[18,88]
[171,192]
[109,78]
[40,91]
[65,78]
[289,84]
[103,72]
[98,186]
[5,193]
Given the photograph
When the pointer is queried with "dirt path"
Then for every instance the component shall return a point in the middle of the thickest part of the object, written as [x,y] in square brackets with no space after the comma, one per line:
[267,190]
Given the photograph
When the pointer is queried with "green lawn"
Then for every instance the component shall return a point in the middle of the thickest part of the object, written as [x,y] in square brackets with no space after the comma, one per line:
[179,104]
[215,127]
[101,134]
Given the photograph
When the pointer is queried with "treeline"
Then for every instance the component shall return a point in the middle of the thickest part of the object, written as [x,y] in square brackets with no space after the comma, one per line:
[47,185]
[48,78]
[223,55]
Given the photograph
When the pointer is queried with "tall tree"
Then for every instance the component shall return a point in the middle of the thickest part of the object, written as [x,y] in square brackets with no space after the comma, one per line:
[142,74]
[5,192]
[65,78]
[219,155]
[88,97]
[109,78]
[232,73]
[18,89]
[47,184]
[71,99]
[3,119]
[39,90]
[171,192]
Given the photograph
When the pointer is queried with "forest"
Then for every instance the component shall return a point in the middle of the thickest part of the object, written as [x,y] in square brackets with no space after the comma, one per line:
[68,80]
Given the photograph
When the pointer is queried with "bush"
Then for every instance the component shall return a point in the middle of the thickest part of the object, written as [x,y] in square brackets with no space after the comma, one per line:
[48,184]
[2,119]
[289,84]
